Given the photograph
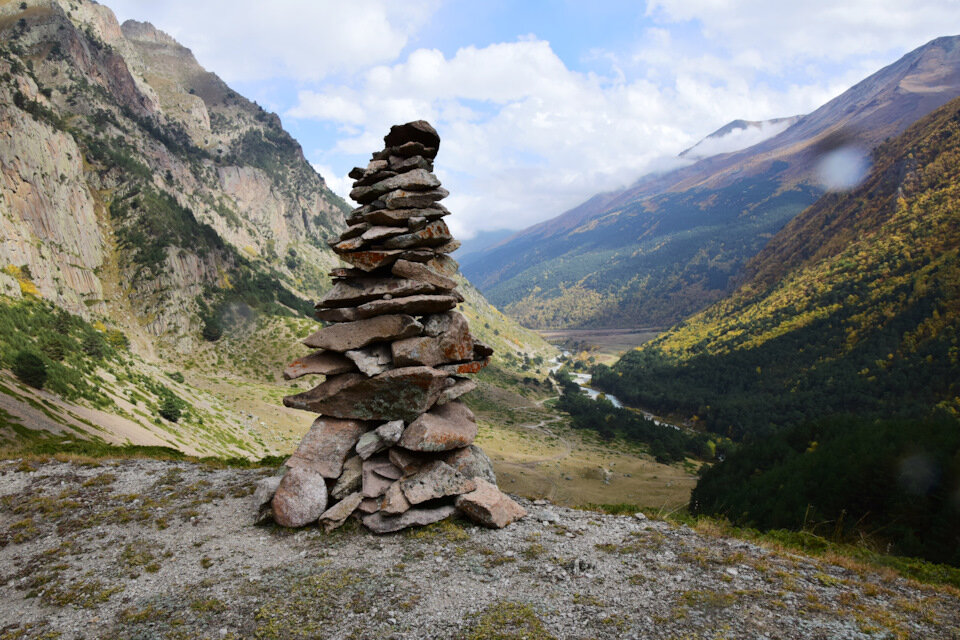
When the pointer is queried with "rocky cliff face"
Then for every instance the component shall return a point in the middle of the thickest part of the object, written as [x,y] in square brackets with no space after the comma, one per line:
[137,186]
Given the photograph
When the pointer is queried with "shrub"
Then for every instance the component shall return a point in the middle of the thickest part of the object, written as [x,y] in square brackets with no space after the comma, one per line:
[169,408]
[30,368]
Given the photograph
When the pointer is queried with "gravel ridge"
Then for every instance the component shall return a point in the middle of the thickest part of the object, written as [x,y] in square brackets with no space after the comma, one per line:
[157,549]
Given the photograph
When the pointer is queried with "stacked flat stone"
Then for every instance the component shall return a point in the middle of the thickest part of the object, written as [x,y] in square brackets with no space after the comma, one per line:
[393,443]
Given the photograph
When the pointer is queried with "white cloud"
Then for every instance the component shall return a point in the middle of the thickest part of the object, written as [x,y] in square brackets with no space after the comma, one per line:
[339,184]
[736,139]
[774,33]
[253,40]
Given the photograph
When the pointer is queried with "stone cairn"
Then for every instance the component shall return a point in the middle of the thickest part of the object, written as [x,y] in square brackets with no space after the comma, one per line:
[393,444]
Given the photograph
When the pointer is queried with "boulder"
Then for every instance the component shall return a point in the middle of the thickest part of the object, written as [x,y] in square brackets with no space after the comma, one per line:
[380,522]
[335,516]
[300,498]
[262,496]
[435,480]
[350,480]
[394,502]
[327,363]
[410,305]
[398,394]
[446,427]
[421,273]
[489,506]
[353,335]
[327,444]
[472,462]
[371,360]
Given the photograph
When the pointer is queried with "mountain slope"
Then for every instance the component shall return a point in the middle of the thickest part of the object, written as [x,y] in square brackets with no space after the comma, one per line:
[674,242]
[166,212]
[854,307]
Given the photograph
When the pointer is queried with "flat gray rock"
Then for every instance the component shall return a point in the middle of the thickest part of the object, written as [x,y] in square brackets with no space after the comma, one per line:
[335,516]
[353,335]
[401,199]
[262,496]
[350,479]
[356,291]
[409,305]
[371,360]
[325,363]
[422,273]
[398,217]
[472,462]
[371,259]
[381,523]
[300,498]
[435,480]
[434,234]
[453,391]
[397,394]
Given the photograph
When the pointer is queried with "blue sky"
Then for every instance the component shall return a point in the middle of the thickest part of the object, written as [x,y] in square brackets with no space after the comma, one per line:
[540,103]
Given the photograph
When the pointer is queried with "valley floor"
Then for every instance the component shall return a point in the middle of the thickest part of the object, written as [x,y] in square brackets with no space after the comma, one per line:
[151,549]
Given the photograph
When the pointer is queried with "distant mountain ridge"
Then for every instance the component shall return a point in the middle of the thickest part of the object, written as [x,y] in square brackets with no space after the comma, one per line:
[673,242]
[853,308]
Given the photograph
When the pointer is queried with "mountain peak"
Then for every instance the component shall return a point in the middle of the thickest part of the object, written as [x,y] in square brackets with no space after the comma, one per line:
[146,32]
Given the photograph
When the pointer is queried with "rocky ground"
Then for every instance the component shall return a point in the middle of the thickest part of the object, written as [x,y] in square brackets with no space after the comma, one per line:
[151,549]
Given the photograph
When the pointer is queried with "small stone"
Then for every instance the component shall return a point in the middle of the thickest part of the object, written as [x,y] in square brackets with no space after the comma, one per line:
[399,218]
[435,480]
[444,264]
[382,523]
[376,484]
[350,480]
[409,462]
[327,444]
[489,506]
[459,387]
[369,444]
[262,496]
[353,335]
[416,222]
[640,516]
[371,360]
[390,432]
[370,505]
[394,502]
[449,426]
[401,164]
[354,231]
[300,498]
[335,516]
[382,466]
[325,363]
[549,516]
[447,247]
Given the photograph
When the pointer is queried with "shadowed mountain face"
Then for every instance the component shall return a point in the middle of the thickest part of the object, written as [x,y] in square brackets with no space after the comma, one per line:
[674,242]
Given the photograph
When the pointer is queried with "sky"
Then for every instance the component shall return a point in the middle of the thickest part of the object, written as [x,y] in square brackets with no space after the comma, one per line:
[540,104]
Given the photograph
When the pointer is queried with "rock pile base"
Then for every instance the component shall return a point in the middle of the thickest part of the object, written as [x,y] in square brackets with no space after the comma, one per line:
[393,443]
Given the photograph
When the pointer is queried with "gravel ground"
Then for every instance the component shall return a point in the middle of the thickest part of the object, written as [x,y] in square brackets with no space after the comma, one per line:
[139,549]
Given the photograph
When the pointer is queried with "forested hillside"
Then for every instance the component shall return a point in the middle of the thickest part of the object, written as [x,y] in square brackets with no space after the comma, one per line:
[853,308]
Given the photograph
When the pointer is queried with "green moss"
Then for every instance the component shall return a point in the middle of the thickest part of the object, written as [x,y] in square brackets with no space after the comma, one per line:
[507,620]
